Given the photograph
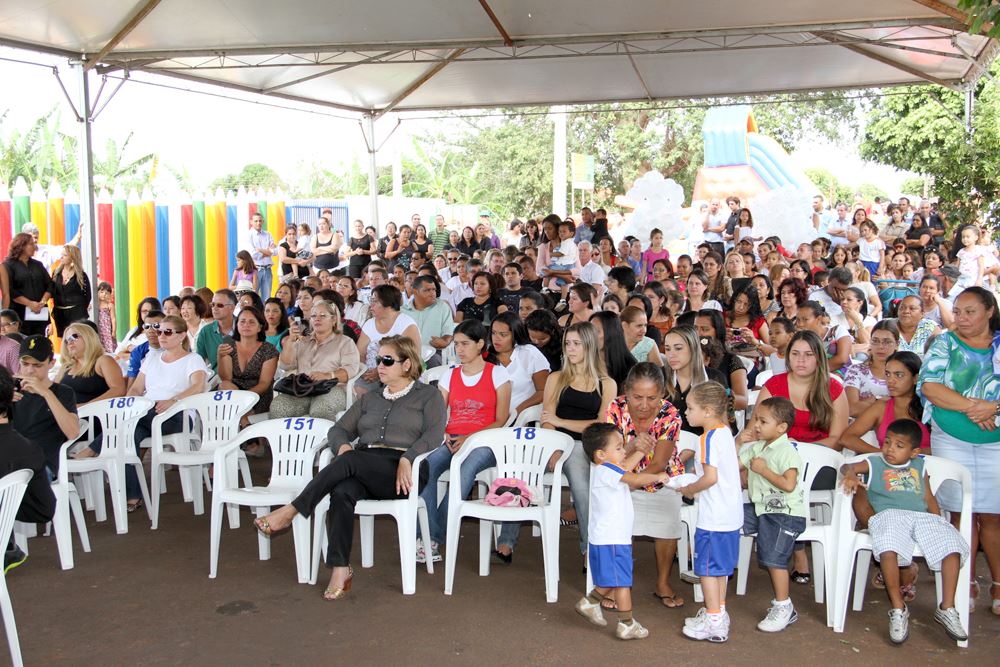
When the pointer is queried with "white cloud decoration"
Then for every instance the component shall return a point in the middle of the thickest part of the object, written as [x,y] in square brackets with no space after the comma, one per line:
[785,213]
[658,203]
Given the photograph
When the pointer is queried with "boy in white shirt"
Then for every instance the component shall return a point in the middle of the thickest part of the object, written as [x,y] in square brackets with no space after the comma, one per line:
[564,257]
[720,510]
[609,548]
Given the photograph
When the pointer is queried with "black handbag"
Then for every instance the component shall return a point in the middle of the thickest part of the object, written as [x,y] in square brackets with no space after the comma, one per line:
[300,386]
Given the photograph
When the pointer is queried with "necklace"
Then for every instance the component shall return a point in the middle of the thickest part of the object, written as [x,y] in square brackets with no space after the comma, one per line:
[392,396]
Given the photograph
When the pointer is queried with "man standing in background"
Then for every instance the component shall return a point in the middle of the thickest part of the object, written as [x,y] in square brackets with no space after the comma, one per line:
[262,248]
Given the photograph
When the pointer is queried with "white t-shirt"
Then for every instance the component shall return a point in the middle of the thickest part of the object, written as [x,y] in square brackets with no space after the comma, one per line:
[593,274]
[720,506]
[525,361]
[840,226]
[374,337]
[717,220]
[165,380]
[776,364]
[459,291]
[569,253]
[869,251]
[611,511]
[500,375]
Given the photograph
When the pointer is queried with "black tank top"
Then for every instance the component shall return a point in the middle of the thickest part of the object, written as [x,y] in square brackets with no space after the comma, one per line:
[86,388]
[329,261]
[576,404]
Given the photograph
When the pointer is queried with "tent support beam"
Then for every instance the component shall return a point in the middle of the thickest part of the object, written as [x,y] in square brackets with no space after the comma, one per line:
[88,239]
[372,169]
[332,70]
[890,62]
[412,88]
[507,41]
[952,12]
[122,33]
[638,75]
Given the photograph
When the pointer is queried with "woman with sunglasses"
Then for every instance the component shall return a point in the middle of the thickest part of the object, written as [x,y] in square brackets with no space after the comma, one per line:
[134,337]
[324,353]
[391,428]
[89,372]
[164,378]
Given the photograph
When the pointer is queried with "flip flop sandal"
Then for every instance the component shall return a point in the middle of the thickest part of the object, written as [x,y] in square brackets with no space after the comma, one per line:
[568,522]
[262,526]
[134,506]
[609,604]
[877,581]
[909,592]
[669,601]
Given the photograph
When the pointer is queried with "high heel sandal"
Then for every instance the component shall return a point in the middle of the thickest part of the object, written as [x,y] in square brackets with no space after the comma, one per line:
[332,593]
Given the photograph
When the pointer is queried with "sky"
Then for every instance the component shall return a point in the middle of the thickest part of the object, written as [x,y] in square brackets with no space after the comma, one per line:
[210,136]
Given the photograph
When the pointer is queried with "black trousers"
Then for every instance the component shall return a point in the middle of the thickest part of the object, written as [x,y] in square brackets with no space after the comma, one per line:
[364,474]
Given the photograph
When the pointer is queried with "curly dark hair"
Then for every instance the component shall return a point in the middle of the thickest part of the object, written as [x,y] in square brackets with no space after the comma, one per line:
[798,287]
[17,246]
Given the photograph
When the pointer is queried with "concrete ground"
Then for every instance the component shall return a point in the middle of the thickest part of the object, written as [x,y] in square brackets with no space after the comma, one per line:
[145,599]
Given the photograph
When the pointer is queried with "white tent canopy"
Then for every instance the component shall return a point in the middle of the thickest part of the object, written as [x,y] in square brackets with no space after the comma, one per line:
[380,55]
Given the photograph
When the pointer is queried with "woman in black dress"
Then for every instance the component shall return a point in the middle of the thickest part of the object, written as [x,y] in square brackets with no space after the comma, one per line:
[421,242]
[326,251]
[362,247]
[71,295]
[288,256]
[484,305]
[27,286]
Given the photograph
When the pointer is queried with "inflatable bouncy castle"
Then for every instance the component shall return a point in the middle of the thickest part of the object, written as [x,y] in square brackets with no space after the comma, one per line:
[741,161]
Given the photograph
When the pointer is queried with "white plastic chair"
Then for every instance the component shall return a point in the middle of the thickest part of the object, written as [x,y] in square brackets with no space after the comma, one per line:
[12,488]
[688,441]
[855,546]
[522,453]
[294,444]
[434,374]
[219,413]
[349,388]
[407,512]
[529,416]
[763,377]
[117,417]
[814,459]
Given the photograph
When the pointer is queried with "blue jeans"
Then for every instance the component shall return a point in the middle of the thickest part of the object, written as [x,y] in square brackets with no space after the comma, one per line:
[437,513]
[264,282]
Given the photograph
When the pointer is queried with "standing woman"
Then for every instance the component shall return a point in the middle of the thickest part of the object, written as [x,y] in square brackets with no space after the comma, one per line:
[422,244]
[581,304]
[530,237]
[289,262]
[963,394]
[576,397]
[618,359]
[29,286]
[71,295]
[326,254]
[651,426]
[400,250]
[360,250]
[914,329]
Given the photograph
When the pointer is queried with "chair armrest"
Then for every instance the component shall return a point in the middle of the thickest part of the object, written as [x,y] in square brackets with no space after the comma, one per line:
[415,475]
[557,468]
[231,448]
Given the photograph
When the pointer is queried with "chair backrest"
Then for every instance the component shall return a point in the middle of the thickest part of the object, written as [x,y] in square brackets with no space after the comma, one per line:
[763,377]
[434,374]
[294,443]
[12,488]
[529,416]
[117,418]
[815,458]
[523,452]
[219,412]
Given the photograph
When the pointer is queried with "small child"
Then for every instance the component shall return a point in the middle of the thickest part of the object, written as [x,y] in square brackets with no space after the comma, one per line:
[654,252]
[907,516]
[564,257]
[720,510]
[305,241]
[782,330]
[245,270]
[777,511]
[975,261]
[609,549]
[106,316]
[871,249]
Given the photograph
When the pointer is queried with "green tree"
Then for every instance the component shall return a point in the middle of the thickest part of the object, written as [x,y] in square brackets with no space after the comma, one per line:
[982,11]
[42,153]
[832,189]
[252,176]
[115,167]
[914,185]
[869,191]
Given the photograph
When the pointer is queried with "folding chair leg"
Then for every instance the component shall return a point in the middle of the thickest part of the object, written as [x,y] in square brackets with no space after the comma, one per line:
[9,625]
[485,537]
[81,526]
[408,551]
[367,540]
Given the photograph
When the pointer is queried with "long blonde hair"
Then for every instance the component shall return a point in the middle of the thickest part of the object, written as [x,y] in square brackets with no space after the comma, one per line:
[591,370]
[86,365]
[76,261]
[698,374]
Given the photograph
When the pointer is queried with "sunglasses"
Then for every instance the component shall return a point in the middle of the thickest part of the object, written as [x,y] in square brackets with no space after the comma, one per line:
[74,337]
[166,331]
[147,327]
[221,305]
[388,361]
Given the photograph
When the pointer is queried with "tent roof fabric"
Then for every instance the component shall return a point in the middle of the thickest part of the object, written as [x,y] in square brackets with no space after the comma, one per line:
[380,55]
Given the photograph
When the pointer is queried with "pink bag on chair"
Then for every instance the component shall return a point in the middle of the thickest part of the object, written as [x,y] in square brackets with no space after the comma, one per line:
[508,492]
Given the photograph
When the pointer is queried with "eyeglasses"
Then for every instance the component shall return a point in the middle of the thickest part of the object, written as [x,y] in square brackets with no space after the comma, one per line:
[388,361]
[222,305]
[147,327]
[453,259]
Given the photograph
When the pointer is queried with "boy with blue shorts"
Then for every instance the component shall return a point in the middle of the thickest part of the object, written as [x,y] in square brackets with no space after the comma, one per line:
[609,549]
[720,510]
[776,513]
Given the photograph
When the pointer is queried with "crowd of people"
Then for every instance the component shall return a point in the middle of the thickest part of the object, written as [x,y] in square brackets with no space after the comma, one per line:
[884,323]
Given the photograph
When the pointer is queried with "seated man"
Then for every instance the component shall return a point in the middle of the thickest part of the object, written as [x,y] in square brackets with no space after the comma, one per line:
[19,453]
[44,411]
[150,346]
[432,315]
[223,306]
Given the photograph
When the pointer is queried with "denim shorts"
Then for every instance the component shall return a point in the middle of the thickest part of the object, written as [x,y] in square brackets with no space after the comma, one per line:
[776,535]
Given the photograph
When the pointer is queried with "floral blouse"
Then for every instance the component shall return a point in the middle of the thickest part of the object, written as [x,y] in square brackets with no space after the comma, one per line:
[666,426]
[925,329]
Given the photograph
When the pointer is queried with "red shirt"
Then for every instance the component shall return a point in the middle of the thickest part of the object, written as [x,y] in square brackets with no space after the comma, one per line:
[472,408]
[801,431]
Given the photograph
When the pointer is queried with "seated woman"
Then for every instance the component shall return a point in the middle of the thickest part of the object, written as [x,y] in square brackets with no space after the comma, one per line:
[709,324]
[618,360]
[914,329]
[902,402]
[544,334]
[193,311]
[836,340]
[859,322]
[685,369]
[277,322]
[385,320]
[641,346]
[89,372]
[526,365]
[353,308]
[581,304]
[251,363]
[392,427]
[866,382]
[662,317]
[576,397]
[477,393]
[748,327]
[484,304]
[165,378]
[821,411]
[323,354]
[651,426]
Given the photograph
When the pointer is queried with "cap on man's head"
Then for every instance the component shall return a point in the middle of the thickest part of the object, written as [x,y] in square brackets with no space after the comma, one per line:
[37,347]
[951,271]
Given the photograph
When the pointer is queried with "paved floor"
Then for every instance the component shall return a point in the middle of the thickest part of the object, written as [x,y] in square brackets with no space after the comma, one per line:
[145,599]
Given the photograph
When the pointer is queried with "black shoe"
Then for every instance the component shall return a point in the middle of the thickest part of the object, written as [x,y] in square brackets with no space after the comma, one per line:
[13,557]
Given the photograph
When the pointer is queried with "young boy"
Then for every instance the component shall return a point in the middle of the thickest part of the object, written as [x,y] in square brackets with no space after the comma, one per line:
[907,516]
[564,258]
[777,512]
[609,546]
[720,510]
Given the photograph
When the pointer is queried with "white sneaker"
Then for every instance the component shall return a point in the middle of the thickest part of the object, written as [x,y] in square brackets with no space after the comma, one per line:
[713,628]
[779,616]
[697,619]
[633,631]
[422,554]
[591,611]
[952,623]
[899,625]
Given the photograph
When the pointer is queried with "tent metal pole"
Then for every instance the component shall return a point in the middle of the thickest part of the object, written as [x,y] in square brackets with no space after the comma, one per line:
[88,239]
[559,162]
[970,107]
[372,170]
